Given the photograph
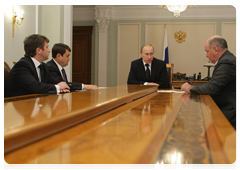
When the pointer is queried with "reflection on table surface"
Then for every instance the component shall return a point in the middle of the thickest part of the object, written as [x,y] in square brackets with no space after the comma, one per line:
[161,128]
[24,112]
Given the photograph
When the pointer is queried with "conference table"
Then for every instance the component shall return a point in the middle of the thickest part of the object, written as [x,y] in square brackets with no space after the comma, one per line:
[127,124]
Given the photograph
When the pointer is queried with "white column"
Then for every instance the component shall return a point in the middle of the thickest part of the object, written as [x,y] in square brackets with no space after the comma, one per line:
[36,22]
[102,15]
[67,31]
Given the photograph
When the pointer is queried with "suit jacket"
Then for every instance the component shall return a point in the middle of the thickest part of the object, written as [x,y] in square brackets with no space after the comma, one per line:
[23,79]
[55,72]
[222,86]
[137,73]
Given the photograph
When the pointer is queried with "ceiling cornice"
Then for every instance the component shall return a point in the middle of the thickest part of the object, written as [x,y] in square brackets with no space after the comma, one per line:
[154,12]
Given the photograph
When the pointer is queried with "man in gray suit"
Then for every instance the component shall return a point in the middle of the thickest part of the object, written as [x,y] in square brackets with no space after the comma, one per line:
[222,86]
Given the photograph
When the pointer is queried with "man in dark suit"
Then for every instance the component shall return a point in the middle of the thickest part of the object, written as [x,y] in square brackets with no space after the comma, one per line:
[222,86]
[61,56]
[148,70]
[30,74]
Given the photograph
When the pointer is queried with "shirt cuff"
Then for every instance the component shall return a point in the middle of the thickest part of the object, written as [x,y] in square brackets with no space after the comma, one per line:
[145,83]
[57,88]
[82,86]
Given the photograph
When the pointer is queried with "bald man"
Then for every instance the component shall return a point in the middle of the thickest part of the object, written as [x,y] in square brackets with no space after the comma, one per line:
[222,86]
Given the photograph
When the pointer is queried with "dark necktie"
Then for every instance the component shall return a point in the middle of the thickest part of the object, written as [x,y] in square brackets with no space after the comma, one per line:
[41,72]
[64,75]
[147,73]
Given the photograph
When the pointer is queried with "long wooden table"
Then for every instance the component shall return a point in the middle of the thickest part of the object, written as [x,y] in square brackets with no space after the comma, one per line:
[118,125]
[178,83]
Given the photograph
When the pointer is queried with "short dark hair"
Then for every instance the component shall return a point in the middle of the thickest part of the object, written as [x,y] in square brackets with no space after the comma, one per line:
[219,42]
[60,48]
[145,46]
[32,42]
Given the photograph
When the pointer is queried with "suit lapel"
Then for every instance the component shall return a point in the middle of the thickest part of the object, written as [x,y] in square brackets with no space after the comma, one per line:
[142,68]
[57,69]
[153,69]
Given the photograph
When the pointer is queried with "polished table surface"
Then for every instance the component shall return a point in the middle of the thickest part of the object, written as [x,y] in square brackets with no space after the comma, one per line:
[167,128]
[26,121]
[178,83]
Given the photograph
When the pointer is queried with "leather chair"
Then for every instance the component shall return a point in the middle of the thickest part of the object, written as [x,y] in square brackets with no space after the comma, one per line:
[6,75]
[170,75]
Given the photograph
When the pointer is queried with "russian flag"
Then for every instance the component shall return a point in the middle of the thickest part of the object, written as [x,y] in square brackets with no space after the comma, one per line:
[165,48]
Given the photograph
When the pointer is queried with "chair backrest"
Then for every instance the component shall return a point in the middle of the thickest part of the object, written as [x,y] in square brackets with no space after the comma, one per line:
[6,65]
[6,75]
[170,75]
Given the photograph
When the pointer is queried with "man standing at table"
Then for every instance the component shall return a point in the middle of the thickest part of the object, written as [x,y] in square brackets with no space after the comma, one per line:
[148,70]
[61,56]
[30,74]
[222,86]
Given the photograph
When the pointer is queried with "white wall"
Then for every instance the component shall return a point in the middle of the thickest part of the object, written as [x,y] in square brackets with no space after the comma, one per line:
[13,46]
[53,21]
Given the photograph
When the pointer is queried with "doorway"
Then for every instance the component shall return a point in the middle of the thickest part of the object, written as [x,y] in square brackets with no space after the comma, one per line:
[81,54]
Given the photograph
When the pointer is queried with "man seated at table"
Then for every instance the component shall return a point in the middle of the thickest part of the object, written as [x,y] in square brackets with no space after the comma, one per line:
[148,70]
[30,74]
[222,86]
[61,56]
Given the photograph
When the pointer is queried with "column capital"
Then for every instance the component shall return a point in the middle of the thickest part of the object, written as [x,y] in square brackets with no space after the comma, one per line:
[103,14]
[102,25]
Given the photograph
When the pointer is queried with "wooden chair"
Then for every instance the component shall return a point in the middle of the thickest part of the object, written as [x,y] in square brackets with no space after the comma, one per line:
[6,75]
[170,75]
[6,65]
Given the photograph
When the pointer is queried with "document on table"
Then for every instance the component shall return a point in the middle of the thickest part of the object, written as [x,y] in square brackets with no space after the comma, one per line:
[88,90]
[102,87]
[170,91]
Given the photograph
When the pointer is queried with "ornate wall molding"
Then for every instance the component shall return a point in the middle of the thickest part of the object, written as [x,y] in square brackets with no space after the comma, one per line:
[151,12]
[102,24]
[102,15]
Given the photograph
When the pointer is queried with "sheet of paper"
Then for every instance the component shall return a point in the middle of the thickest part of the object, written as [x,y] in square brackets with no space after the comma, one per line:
[170,91]
[102,87]
[87,90]
[179,92]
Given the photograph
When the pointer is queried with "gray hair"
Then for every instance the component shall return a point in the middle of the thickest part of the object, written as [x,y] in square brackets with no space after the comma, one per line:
[218,42]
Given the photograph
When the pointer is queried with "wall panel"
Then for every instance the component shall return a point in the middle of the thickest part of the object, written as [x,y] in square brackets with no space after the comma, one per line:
[128,49]
[189,56]
[229,33]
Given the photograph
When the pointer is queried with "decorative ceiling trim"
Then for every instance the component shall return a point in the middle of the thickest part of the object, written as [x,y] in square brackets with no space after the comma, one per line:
[153,12]
[83,14]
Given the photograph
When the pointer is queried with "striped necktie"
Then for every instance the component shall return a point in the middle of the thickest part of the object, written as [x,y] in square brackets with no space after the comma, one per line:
[64,75]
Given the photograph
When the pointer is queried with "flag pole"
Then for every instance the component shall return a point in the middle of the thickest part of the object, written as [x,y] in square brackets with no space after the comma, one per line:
[165,47]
